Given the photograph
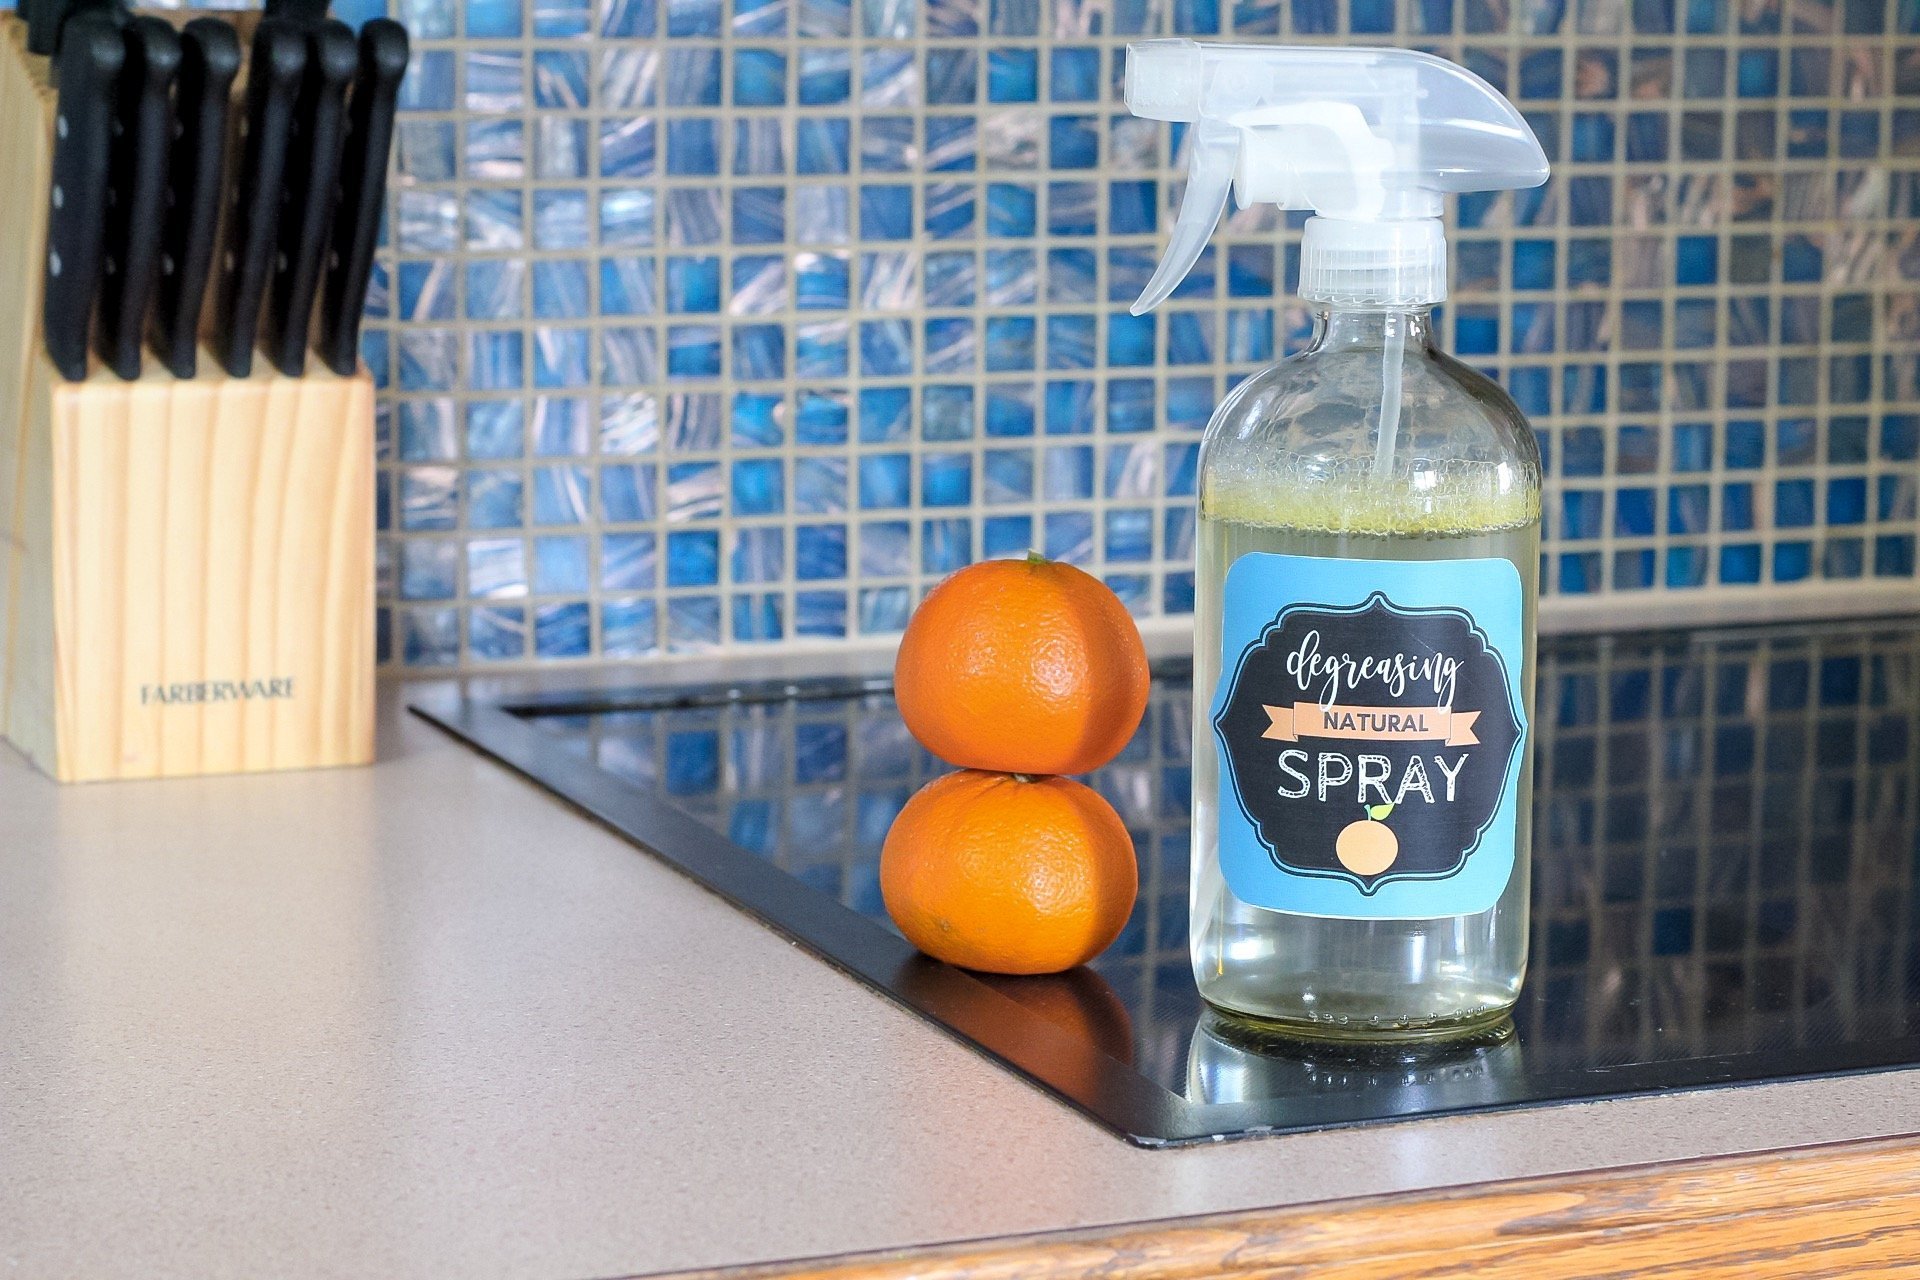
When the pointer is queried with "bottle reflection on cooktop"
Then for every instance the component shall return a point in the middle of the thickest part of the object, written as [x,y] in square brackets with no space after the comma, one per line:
[1725,838]
[1234,1061]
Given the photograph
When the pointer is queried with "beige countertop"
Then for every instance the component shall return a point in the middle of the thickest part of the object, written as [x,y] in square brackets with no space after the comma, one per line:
[420,1019]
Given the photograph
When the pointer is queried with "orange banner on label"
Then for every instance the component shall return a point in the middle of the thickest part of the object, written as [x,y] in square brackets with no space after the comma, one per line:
[1402,724]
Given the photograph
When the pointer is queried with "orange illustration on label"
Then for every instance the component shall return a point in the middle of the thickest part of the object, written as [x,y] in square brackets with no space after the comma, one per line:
[1403,724]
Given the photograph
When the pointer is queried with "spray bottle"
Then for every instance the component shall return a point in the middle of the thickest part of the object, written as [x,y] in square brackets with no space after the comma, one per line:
[1368,559]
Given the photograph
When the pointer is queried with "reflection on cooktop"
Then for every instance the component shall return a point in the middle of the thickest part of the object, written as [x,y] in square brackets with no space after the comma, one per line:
[1725,837]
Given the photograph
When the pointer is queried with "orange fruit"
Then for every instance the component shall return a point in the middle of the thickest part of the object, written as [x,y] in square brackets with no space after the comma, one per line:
[1022,666]
[1008,875]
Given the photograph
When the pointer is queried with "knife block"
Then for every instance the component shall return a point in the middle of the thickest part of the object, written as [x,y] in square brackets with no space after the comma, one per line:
[187,582]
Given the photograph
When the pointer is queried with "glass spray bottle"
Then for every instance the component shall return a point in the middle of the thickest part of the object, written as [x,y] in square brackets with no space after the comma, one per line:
[1368,555]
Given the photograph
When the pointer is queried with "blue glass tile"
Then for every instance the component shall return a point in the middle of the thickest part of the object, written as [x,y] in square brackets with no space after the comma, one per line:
[628,561]
[758,556]
[693,150]
[562,630]
[560,495]
[628,628]
[429,83]
[886,348]
[952,76]
[1736,507]
[1069,408]
[1847,499]
[1013,75]
[495,81]
[1179,533]
[1893,556]
[820,613]
[886,480]
[1006,536]
[1758,73]
[429,570]
[1129,535]
[886,212]
[820,350]
[946,480]
[1010,410]
[1740,564]
[426,430]
[630,18]
[1069,536]
[952,144]
[821,418]
[886,143]
[693,558]
[1133,208]
[759,215]
[945,545]
[693,351]
[1072,208]
[560,427]
[757,420]
[1007,476]
[693,17]
[760,17]
[886,549]
[820,552]
[494,428]
[948,345]
[758,618]
[946,413]
[1746,445]
[1900,437]
[497,633]
[1010,209]
[1633,570]
[561,357]
[759,352]
[626,218]
[627,493]
[759,487]
[560,565]
[493,500]
[495,361]
[884,610]
[759,78]
[819,485]
[693,491]
[1068,472]
[826,77]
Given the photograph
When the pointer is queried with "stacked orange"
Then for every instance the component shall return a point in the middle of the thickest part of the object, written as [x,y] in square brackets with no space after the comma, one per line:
[1018,671]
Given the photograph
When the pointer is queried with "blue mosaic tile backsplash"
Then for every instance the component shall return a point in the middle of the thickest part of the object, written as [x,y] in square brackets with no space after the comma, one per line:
[734,323]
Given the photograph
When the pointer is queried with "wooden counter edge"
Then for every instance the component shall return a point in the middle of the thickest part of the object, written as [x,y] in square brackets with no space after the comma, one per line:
[1848,1209]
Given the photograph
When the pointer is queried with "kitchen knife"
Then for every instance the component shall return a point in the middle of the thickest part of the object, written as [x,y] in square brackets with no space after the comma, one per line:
[209,60]
[136,189]
[273,89]
[313,174]
[85,71]
[44,18]
[363,191]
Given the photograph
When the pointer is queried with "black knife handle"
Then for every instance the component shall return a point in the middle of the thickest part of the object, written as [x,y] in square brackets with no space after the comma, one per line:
[363,191]
[313,175]
[136,189]
[273,89]
[89,62]
[209,61]
[45,18]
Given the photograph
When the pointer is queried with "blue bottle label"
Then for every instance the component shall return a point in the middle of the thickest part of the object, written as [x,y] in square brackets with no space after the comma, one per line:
[1369,716]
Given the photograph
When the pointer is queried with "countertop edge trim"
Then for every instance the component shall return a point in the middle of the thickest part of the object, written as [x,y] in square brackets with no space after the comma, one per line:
[1852,1204]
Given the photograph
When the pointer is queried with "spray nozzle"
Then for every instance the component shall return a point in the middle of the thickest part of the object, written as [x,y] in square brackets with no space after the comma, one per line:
[1369,139]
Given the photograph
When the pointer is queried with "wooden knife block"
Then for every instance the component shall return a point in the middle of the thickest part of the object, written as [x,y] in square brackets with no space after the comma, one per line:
[187,581]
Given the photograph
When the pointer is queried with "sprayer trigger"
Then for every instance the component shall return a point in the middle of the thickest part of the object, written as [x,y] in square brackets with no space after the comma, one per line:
[1213,156]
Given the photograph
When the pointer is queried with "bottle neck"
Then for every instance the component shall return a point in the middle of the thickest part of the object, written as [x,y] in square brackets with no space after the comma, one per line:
[1352,329]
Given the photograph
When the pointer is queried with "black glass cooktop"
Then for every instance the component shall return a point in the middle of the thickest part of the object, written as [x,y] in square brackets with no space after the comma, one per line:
[1724,850]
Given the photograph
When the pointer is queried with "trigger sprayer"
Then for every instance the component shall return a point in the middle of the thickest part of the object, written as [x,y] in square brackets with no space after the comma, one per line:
[1369,139]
